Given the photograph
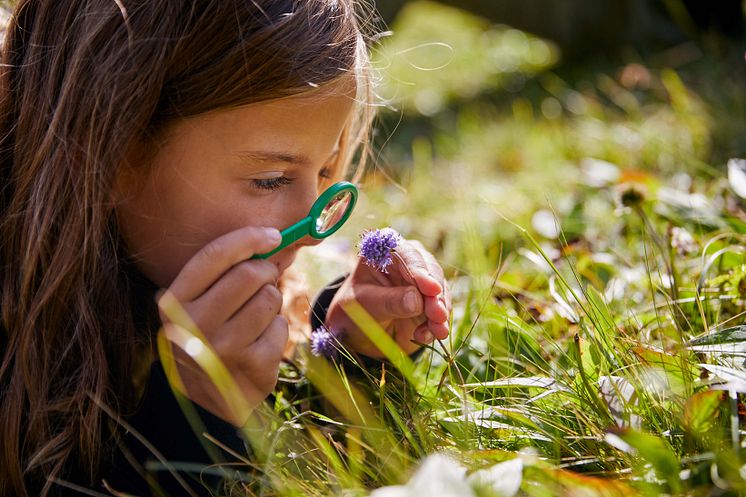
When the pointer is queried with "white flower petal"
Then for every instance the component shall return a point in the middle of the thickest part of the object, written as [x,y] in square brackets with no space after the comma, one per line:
[503,479]
[442,476]
[737,176]
[545,224]
[393,491]
[599,173]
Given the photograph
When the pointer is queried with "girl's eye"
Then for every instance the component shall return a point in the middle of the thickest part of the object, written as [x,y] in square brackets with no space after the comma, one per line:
[271,183]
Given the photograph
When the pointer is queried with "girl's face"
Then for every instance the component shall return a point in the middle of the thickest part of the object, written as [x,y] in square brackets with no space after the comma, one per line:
[258,165]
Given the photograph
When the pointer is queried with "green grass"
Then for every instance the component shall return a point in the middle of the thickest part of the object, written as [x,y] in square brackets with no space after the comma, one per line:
[588,338]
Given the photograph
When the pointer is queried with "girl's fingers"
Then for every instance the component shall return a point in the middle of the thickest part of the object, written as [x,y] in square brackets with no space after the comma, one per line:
[416,266]
[438,330]
[425,272]
[446,298]
[437,307]
[250,322]
[433,268]
[232,291]
[435,310]
[270,345]
[215,258]
[429,331]
[423,334]
[387,303]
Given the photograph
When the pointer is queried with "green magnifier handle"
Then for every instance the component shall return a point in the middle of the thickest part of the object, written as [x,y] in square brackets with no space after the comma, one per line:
[330,211]
[290,235]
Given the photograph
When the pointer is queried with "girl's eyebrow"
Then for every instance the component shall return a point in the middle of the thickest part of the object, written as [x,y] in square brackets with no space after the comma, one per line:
[288,158]
[262,156]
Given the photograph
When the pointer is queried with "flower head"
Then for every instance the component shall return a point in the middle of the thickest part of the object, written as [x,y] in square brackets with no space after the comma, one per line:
[376,246]
[324,343]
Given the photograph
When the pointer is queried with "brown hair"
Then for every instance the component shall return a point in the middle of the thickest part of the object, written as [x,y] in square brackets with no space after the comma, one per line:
[80,81]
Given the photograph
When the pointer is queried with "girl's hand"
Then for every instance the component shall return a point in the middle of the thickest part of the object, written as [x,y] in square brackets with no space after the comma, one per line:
[235,303]
[411,302]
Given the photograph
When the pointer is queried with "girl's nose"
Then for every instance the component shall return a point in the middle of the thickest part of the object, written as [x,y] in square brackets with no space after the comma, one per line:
[309,241]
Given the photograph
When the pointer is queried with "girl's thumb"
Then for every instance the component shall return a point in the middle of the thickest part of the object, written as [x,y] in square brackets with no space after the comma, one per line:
[393,302]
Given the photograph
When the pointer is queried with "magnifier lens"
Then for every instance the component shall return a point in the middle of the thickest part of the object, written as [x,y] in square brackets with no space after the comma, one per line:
[334,212]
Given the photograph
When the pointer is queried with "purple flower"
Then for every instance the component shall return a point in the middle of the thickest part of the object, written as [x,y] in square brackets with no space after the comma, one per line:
[376,246]
[324,343]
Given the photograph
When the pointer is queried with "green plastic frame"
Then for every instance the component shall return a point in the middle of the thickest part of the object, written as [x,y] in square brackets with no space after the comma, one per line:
[307,225]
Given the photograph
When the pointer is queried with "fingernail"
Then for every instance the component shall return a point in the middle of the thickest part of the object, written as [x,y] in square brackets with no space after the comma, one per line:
[272,234]
[427,337]
[411,301]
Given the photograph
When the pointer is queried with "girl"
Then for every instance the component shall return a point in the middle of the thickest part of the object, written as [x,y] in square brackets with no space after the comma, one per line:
[148,149]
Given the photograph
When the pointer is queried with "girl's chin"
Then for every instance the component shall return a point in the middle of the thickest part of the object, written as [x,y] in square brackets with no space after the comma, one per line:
[284,262]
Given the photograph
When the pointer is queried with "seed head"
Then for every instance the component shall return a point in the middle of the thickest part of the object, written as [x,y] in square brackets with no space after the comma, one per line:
[376,246]
[631,194]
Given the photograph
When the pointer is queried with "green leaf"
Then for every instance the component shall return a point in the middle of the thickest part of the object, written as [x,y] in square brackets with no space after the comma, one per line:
[729,335]
[654,450]
[601,315]
[681,365]
[701,411]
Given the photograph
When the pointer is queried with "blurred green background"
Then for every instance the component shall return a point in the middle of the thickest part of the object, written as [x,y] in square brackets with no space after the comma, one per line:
[508,109]
[571,60]
[587,27]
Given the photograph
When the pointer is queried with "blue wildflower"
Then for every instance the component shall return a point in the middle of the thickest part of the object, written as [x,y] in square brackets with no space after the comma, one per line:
[324,343]
[376,246]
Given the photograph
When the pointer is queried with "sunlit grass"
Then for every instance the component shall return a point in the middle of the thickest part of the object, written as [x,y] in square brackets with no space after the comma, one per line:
[589,338]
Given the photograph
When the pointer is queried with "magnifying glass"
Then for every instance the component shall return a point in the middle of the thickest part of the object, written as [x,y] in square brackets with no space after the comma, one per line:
[327,215]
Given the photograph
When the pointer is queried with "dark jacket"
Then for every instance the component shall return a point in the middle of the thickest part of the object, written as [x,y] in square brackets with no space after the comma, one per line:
[157,451]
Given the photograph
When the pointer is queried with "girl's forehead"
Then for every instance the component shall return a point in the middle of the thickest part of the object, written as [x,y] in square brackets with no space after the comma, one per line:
[308,125]
[342,92]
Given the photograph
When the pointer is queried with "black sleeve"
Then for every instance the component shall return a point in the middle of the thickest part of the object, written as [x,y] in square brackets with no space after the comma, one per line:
[162,424]
[323,301]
